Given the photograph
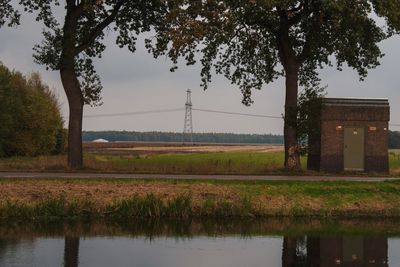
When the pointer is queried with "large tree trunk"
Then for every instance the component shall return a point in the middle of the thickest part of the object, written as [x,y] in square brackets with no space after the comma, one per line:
[72,87]
[75,101]
[288,58]
[292,157]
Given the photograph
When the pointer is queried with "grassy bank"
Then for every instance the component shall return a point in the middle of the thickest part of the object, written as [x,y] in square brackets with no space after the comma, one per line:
[54,199]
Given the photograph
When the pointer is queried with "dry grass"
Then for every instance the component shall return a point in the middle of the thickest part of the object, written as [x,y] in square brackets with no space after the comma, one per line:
[127,198]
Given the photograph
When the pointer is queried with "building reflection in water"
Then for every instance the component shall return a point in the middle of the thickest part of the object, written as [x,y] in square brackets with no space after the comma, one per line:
[303,251]
[335,251]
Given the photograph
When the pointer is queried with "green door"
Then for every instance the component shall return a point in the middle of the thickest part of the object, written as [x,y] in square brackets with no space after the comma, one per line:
[354,148]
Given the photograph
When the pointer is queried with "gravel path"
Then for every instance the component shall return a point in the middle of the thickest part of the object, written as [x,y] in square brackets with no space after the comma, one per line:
[87,175]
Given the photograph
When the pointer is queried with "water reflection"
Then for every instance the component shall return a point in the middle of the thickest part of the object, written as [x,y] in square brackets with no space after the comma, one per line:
[335,251]
[205,243]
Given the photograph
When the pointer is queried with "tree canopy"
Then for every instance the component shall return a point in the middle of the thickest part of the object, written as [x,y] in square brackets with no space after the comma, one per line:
[31,123]
[8,15]
[253,42]
[93,19]
[70,45]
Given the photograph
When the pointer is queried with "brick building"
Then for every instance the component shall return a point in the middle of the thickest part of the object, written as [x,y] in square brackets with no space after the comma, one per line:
[353,136]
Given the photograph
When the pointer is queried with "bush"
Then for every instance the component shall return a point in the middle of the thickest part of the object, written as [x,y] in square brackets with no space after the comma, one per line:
[31,123]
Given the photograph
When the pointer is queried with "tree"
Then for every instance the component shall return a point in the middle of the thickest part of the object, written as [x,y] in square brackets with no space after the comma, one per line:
[308,123]
[8,15]
[30,116]
[70,48]
[71,251]
[253,42]
[10,107]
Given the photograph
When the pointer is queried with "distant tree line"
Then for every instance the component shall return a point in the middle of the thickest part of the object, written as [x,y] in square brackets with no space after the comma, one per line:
[177,137]
[394,137]
[30,119]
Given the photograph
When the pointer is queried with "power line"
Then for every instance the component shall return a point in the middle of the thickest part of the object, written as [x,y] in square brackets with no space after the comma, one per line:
[237,113]
[133,113]
[197,109]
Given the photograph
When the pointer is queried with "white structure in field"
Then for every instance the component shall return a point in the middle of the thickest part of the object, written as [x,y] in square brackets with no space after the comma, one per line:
[100,141]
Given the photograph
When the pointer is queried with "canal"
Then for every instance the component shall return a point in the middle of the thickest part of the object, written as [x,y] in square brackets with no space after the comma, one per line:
[283,242]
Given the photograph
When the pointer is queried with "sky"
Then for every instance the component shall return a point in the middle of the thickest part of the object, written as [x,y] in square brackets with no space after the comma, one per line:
[135,82]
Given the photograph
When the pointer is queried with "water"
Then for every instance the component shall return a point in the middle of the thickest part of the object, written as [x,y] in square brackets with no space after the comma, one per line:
[202,244]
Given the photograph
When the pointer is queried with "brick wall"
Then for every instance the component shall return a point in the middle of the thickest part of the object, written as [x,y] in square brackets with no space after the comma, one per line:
[331,141]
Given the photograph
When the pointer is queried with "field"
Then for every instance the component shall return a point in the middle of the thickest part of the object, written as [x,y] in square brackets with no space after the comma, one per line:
[163,158]
[172,158]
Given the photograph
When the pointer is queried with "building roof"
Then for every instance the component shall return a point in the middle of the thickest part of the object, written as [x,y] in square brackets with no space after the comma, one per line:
[365,102]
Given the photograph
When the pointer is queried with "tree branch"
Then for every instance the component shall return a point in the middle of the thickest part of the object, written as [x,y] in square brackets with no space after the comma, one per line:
[315,28]
[99,28]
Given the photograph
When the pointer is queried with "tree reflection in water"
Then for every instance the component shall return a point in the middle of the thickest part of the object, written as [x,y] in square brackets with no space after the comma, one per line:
[71,251]
[301,243]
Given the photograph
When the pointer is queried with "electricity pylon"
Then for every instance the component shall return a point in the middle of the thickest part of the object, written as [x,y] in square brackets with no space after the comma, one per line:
[188,125]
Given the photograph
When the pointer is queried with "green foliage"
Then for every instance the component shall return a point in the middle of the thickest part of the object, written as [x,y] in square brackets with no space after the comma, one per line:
[254,42]
[9,109]
[61,141]
[150,206]
[8,15]
[80,39]
[309,116]
[30,116]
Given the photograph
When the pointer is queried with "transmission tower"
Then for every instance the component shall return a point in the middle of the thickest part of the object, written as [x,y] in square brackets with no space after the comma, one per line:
[188,126]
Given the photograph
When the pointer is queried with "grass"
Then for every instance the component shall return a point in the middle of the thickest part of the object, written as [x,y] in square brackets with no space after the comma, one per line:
[149,206]
[200,163]
[52,199]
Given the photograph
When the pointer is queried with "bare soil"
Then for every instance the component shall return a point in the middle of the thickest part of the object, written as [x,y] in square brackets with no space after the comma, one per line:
[140,148]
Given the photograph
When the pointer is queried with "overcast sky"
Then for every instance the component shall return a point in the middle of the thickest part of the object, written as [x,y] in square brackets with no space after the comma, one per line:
[138,82]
